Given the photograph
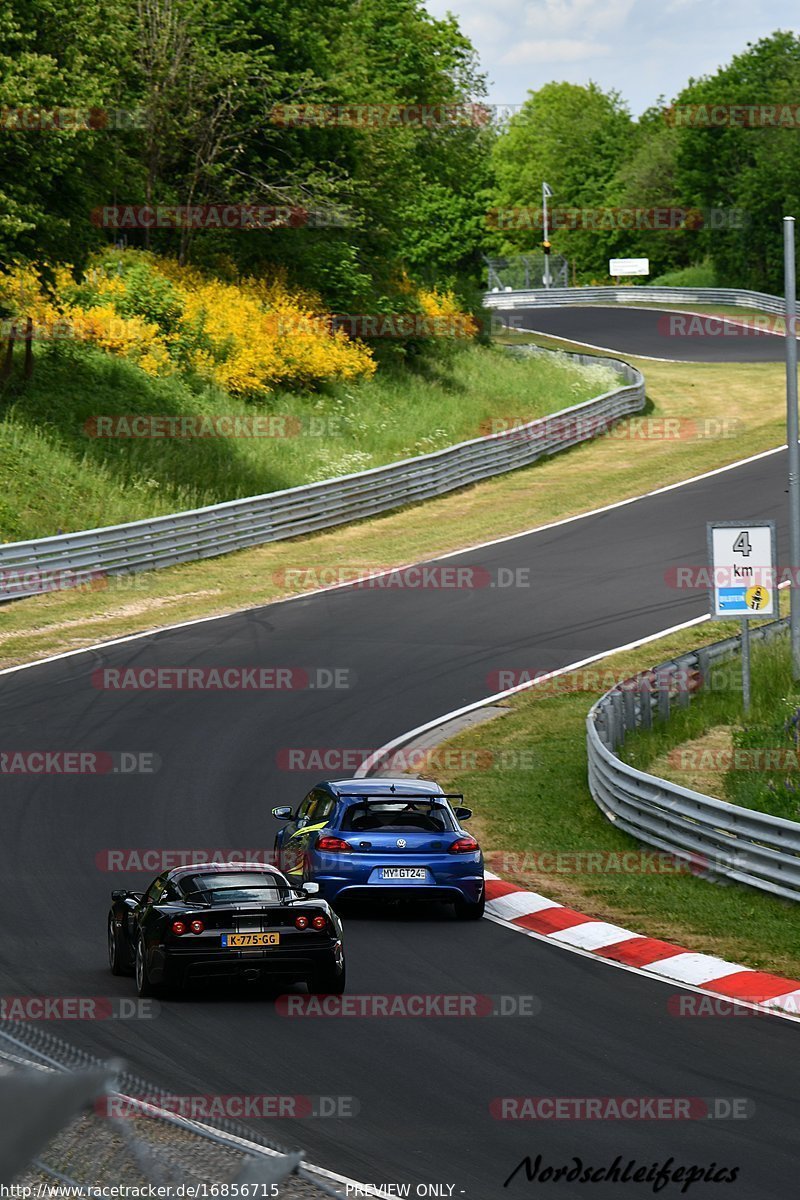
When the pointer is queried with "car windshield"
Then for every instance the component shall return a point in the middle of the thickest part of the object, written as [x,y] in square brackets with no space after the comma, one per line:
[398,816]
[240,888]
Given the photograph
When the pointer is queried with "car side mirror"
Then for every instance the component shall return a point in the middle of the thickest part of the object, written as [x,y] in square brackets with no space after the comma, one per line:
[284,813]
[310,888]
[463,814]
[119,895]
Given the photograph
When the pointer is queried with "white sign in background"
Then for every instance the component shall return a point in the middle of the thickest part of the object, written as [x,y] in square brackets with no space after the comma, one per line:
[744,570]
[629,266]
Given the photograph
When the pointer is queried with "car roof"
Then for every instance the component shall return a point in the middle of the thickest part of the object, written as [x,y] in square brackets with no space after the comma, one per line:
[383,786]
[210,868]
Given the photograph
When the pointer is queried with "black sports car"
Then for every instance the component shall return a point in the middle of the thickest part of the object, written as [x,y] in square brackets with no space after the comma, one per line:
[235,920]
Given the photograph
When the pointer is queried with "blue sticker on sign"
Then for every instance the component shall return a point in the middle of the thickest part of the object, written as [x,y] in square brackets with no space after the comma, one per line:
[732,598]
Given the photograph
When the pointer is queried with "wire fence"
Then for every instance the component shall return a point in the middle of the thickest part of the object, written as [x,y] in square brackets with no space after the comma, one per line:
[102,1126]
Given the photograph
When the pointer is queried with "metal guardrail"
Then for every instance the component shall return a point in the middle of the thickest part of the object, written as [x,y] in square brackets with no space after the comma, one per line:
[742,844]
[739,297]
[75,559]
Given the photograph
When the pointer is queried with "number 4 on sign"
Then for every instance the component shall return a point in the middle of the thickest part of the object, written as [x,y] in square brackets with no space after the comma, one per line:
[742,544]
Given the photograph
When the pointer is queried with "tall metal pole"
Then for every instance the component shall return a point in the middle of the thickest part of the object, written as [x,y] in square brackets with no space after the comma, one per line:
[745,665]
[544,226]
[790,291]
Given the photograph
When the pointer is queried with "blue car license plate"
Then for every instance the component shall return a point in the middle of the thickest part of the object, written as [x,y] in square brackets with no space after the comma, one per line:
[403,873]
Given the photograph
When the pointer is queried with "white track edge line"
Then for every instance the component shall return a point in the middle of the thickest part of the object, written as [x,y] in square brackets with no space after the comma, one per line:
[410,734]
[510,537]
[557,337]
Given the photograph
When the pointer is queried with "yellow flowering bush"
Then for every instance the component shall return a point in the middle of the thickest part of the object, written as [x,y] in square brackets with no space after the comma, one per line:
[247,337]
[23,294]
[445,313]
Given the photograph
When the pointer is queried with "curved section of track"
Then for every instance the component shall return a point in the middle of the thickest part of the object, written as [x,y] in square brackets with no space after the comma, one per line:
[423,1086]
[652,333]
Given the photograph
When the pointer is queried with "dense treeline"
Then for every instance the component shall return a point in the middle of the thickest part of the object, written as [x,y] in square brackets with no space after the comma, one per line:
[183,96]
[735,181]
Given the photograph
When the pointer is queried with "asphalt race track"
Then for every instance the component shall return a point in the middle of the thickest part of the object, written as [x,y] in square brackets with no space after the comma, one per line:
[652,333]
[423,1086]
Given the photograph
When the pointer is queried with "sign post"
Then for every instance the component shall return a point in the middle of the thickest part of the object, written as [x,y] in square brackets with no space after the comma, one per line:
[744,571]
[790,292]
[546,191]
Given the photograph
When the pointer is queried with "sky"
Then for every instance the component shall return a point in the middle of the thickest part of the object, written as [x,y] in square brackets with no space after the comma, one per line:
[642,49]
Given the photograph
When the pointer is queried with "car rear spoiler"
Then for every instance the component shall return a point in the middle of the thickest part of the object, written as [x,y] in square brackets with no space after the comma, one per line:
[385,797]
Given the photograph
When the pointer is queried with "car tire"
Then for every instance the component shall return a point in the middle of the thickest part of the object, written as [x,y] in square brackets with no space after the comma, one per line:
[116,950]
[328,983]
[468,911]
[143,985]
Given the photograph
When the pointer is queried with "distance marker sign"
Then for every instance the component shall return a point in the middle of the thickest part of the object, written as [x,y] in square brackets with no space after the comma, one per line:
[744,569]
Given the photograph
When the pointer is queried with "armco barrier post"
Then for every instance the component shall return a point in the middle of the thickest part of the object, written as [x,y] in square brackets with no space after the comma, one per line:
[645,703]
[619,718]
[662,685]
[703,666]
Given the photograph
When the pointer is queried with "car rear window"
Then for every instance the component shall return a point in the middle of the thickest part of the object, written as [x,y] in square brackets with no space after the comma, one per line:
[241,888]
[398,816]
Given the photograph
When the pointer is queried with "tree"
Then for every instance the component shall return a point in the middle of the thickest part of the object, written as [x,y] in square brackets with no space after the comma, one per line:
[755,170]
[574,138]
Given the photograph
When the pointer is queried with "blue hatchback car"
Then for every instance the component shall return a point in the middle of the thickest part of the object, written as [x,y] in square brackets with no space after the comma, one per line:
[385,839]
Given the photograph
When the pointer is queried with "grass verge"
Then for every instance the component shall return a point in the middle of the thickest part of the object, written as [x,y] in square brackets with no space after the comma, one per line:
[526,779]
[729,412]
[711,746]
[58,477]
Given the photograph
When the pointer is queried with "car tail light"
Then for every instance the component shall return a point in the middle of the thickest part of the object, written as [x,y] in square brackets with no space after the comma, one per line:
[320,923]
[301,922]
[197,925]
[178,927]
[464,845]
[333,843]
